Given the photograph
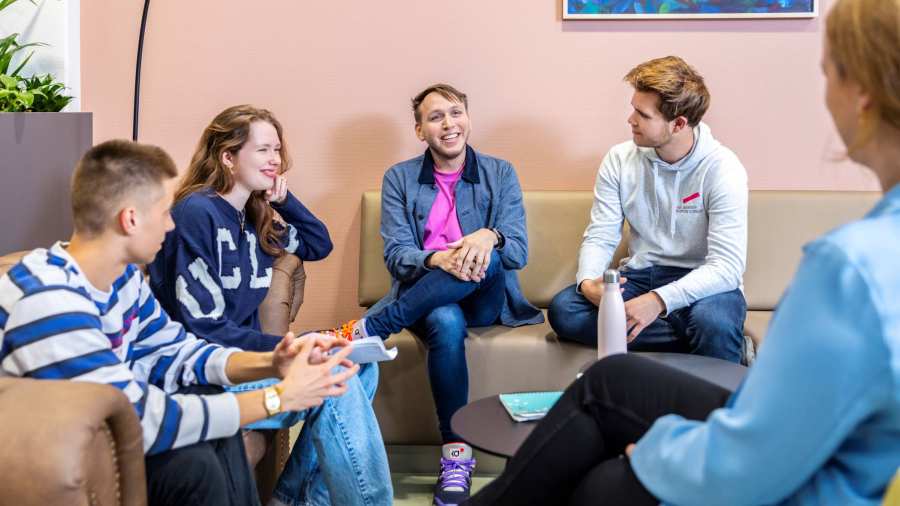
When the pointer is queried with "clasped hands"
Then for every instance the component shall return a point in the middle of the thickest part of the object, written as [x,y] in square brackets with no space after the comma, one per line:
[306,366]
[468,258]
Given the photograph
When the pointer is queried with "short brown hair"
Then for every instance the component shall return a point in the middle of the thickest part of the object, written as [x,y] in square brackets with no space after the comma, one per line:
[862,40]
[680,88]
[110,171]
[444,90]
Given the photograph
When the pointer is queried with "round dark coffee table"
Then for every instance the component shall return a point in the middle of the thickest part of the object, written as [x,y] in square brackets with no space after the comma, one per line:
[486,425]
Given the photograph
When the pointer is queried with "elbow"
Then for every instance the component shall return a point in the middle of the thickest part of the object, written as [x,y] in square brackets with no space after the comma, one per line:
[324,249]
[515,263]
[514,256]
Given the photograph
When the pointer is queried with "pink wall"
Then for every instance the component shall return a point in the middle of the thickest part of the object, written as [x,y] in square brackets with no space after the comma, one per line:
[545,94]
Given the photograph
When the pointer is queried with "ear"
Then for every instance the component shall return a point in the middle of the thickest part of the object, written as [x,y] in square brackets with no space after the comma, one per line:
[679,124]
[227,160]
[863,102]
[419,131]
[127,220]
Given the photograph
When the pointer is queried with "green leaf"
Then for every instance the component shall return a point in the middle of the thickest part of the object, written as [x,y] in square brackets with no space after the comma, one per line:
[25,61]
[9,82]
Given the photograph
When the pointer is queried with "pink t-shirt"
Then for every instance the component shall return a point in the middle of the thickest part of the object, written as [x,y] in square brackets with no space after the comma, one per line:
[442,226]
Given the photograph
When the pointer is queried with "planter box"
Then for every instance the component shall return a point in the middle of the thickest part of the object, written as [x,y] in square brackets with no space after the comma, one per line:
[38,152]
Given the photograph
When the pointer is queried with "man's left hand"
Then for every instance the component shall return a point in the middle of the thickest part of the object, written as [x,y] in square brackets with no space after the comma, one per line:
[474,253]
[642,311]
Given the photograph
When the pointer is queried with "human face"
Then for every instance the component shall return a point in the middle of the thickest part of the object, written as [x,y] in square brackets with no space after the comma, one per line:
[152,221]
[444,127]
[649,128]
[843,99]
[258,162]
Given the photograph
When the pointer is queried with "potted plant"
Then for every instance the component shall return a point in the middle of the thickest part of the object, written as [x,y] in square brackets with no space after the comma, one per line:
[39,147]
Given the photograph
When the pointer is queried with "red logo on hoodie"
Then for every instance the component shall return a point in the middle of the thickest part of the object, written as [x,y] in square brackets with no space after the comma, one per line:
[690,198]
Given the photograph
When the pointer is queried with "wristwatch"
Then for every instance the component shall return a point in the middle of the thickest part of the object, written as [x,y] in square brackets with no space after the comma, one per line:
[272,400]
[501,239]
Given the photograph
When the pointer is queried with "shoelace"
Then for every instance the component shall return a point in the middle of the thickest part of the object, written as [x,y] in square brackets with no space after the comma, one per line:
[455,473]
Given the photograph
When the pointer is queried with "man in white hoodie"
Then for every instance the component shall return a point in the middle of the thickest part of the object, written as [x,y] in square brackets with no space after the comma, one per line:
[684,196]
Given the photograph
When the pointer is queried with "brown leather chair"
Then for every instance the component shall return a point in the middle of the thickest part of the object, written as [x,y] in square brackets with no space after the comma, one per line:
[74,443]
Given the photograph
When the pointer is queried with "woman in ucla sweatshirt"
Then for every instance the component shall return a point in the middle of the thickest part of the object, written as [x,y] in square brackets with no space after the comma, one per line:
[215,269]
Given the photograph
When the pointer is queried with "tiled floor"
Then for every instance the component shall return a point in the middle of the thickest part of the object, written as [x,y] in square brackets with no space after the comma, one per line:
[414,472]
[416,489]
[414,468]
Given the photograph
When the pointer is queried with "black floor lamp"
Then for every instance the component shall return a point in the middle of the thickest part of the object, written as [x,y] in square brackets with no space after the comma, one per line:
[137,73]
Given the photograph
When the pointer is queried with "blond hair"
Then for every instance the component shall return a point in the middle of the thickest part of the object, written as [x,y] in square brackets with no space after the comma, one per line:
[680,88]
[228,132]
[444,90]
[864,43]
[108,173]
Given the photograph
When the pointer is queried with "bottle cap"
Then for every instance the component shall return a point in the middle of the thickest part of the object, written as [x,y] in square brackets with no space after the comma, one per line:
[611,276]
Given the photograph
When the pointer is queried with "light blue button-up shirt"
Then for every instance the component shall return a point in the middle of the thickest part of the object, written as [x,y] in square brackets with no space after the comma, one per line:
[817,420]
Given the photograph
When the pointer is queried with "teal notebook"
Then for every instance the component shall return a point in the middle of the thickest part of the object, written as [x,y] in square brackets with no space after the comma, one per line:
[528,406]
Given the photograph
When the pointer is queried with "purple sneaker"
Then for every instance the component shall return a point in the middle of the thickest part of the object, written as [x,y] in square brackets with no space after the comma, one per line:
[455,482]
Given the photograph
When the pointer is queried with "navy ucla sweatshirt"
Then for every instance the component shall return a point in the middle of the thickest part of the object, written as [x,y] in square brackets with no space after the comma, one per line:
[211,273]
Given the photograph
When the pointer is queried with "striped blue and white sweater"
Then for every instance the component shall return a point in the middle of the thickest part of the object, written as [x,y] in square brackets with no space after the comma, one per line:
[211,273]
[55,325]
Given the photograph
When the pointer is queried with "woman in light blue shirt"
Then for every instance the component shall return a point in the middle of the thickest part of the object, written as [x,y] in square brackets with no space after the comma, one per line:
[817,420]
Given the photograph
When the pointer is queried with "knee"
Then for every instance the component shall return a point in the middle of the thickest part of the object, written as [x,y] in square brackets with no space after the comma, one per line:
[365,383]
[713,319]
[446,327]
[206,473]
[563,311]
[613,366]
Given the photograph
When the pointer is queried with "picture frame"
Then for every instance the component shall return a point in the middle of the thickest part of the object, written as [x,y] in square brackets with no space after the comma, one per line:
[689,9]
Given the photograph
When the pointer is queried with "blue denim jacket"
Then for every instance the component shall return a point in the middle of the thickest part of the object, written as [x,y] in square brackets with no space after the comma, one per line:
[487,196]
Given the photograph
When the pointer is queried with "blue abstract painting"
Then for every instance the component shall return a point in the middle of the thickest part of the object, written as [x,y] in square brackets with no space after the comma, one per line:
[587,9]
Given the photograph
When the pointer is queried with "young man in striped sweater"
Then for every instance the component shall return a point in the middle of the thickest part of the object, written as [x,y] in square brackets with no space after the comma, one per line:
[82,311]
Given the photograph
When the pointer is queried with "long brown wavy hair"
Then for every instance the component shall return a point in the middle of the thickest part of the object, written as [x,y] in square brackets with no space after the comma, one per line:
[228,132]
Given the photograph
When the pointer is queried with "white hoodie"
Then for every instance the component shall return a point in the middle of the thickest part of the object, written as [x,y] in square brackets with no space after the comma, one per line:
[690,214]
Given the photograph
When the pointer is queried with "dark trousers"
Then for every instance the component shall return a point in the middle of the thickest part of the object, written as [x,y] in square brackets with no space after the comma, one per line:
[214,473]
[438,307]
[712,326]
[574,456]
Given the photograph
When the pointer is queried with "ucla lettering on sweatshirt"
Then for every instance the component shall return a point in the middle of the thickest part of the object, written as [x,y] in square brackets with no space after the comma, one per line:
[212,274]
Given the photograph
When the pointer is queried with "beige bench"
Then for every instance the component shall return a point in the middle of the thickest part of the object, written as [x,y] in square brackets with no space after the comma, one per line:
[502,359]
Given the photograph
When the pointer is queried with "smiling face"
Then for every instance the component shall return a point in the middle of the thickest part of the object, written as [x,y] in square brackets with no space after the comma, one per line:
[444,127]
[258,161]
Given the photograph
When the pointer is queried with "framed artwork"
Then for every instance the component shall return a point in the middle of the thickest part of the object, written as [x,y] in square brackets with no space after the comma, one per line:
[688,9]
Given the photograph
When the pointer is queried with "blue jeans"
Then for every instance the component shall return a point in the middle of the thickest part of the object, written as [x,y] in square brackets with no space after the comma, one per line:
[339,457]
[438,307]
[712,326]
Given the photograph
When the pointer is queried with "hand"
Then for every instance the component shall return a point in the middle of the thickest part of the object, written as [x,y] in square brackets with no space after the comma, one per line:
[289,347]
[629,450]
[592,289]
[307,385]
[324,344]
[278,192]
[642,311]
[474,255]
[446,261]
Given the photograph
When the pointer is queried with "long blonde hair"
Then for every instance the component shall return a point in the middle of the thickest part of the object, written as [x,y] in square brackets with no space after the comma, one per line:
[864,44]
[228,132]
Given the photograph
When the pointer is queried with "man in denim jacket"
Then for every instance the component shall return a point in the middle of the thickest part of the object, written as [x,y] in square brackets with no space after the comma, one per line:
[454,236]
